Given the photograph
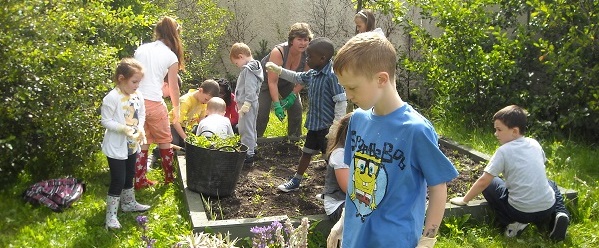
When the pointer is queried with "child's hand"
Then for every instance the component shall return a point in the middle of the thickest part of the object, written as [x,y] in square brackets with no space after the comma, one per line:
[141,138]
[244,109]
[176,114]
[335,236]
[272,67]
[279,112]
[426,242]
[127,130]
[458,201]
[288,101]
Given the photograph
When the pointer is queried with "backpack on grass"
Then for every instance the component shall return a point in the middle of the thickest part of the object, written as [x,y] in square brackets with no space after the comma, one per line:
[57,194]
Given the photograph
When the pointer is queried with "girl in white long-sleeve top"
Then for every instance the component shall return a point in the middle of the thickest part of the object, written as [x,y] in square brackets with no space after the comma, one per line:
[123,116]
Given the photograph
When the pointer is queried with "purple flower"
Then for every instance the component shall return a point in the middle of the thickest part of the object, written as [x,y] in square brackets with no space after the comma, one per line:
[142,220]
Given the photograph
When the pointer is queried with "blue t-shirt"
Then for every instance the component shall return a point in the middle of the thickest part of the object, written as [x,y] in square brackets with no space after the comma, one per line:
[392,159]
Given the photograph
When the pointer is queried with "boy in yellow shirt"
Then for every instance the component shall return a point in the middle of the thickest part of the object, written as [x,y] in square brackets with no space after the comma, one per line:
[192,107]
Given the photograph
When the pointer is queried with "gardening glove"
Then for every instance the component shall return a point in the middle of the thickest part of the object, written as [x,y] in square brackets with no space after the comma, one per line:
[335,236]
[458,201]
[426,242]
[176,114]
[279,112]
[272,67]
[127,130]
[244,109]
[141,138]
[288,101]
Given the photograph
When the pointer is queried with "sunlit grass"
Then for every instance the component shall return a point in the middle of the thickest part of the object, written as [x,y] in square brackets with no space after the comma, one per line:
[570,164]
[277,128]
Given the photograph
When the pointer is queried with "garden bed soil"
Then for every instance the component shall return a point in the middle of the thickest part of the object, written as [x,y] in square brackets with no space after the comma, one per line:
[256,194]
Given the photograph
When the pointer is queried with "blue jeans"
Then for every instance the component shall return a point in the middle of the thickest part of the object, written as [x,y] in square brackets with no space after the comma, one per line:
[496,195]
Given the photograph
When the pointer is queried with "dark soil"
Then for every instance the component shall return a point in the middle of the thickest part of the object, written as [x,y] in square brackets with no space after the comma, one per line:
[256,194]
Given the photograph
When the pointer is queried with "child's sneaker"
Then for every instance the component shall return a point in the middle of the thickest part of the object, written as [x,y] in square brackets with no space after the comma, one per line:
[514,229]
[292,185]
[320,197]
[249,159]
[560,225]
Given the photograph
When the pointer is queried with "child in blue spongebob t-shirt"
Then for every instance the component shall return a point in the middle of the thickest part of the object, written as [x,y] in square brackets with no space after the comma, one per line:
[393,155]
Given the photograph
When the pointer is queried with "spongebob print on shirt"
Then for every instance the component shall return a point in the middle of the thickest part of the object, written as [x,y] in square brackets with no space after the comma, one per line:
[369,178]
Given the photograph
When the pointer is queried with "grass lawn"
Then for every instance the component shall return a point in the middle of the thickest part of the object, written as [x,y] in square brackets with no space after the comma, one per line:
[571,165]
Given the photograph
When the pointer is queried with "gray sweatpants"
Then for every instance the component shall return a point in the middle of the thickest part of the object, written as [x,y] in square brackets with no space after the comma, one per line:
[247,128]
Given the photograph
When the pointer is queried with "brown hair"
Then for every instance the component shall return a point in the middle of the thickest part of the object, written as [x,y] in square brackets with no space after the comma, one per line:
[512,116]
[339,139]
[240,48]
[367,17]
[167,30]
[210,87]
[127,67]
[366,54]
[299,29]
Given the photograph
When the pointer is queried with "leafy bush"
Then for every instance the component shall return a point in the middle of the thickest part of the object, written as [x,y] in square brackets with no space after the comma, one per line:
[542,55]
[56,61]
[214,141]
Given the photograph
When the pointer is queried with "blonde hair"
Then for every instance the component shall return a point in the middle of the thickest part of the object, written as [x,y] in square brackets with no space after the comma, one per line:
[216,105]
[167,30]
[340,132]
[366,54]
[240,48]
[299,29]
[367,17]
[127,67]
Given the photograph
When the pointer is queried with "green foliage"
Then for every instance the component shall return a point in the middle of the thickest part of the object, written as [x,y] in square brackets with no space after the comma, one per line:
[204,25]
[214,141]
[455,225]
[483,55]
[56,62]
[263,50]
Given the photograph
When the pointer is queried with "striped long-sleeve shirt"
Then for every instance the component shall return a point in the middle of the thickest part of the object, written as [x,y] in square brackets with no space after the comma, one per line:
[324,91]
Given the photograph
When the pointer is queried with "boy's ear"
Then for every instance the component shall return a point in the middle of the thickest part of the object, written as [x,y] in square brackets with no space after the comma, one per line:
[382,78]
[516,131]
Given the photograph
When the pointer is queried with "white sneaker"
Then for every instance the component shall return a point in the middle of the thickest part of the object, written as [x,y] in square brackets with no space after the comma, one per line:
[320,197]
[514,229]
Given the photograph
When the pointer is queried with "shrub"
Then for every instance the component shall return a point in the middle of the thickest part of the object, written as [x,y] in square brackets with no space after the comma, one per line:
[56,61]
[542,55]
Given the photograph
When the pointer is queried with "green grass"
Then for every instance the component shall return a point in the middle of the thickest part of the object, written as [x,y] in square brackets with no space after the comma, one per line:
[571,165]
[83,225]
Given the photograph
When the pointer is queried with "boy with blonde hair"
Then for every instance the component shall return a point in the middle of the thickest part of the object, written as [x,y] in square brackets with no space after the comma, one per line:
[526,195]
[215,122]
[393,154]
[246,95]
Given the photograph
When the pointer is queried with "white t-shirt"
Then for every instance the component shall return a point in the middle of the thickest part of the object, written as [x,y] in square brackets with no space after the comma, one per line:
[522,163]
[218,124]
[156,58]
